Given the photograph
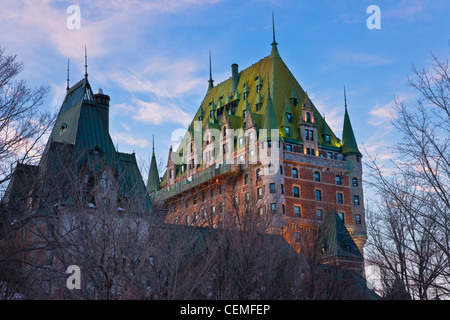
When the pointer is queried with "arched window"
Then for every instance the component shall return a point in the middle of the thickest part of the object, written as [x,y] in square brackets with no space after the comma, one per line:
[338,180]
[308,117]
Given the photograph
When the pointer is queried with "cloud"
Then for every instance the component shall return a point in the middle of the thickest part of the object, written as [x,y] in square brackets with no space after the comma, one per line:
[381,115]
[366,59]
[129,139]
[153,112]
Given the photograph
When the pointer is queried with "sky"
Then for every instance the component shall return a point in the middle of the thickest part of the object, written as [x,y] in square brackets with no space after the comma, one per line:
[152,57]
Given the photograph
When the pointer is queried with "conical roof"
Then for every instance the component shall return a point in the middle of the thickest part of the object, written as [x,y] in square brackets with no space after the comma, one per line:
[349,145]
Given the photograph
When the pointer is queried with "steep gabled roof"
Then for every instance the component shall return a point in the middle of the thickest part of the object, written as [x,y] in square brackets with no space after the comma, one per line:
[335,241]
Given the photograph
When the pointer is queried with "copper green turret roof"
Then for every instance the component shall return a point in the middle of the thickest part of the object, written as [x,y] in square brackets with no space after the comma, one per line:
[349,145]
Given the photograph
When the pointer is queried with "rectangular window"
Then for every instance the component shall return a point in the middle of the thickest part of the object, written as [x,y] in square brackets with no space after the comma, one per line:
[296,192]
[317,176]
[259,191]
[247,197]
[329,155]
[327,139]
[357,218]
[297,212]
[311,135]
[287,131]
[289,117]
[273,207]
[318,195]
[288,147]
[272,188]
[306,134]
[294,173]
[339,198]
[319,214]
[282,189]
[356,200]
[341,216]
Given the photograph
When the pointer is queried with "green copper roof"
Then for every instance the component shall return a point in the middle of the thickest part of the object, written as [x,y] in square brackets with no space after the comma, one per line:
[349,145]
[335,241]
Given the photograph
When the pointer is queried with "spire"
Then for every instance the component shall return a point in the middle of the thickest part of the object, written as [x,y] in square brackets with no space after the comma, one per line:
[345,99]
[68,87]
[349,145]
[85,61]
[153,177]
[274,42]
[211,81]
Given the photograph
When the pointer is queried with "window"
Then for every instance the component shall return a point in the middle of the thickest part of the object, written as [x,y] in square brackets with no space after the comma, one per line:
[171,174]
[355,182]
[296,192]
[339,198]
[258,88]
[338,180]
[319,214]
[287,131]
[317,176]
[308,117]
[289,117]
[247,197]
[311,135]
[213,210]
[235,201]
[294,173]
[329,155]
[288,147]
[327,139]
[318,195]
[281,169]
[258,106]
[282,189]
[246,178]
[258,174]
[244,113]
[259,192]
[203,213]
[341,216]
[357,218]
[273,207]
[272,188]
[245,95]
[260,211]
[306,134]
[297,213]
[356,200]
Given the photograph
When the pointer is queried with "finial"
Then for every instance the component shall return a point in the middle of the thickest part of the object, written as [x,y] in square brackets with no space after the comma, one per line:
[345,99]
[85,61]
[274,43]
[153,143]
[67,75]
[211,81]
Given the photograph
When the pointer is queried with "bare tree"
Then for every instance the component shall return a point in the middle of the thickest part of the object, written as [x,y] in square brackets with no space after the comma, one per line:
[22,124]
[410,228]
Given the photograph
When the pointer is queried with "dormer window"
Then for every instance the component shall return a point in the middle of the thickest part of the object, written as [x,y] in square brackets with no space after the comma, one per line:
[294,102]
[287,131]
[289,117]
[258,106]
[245,96]
[327,139]
[258,88]
[308,117]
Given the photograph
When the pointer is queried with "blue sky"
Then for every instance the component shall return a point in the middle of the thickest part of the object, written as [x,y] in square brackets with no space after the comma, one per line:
[151,57]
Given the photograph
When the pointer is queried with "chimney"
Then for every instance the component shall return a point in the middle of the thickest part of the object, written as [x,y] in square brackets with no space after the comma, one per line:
[103,103]
[234,76]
